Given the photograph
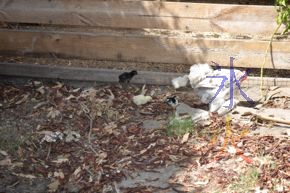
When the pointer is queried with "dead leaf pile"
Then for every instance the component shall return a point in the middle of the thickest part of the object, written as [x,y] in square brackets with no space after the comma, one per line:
[86,140]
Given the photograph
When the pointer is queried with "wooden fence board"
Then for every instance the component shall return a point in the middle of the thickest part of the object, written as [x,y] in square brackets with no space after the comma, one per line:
[82,74]
[110,75]
[196,17]
[161,49]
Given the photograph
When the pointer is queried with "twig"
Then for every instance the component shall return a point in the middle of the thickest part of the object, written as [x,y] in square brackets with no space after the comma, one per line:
[271,95]
[267,118]
[14,184]
[277,144]
[88,115]
[90,131]
[89,134]
[265,57]
[116,187]
[48,153]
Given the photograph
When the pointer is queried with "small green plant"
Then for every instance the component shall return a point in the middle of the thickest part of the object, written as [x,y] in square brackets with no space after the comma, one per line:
[283,17]
[246,182]
[11,145]
[179,127]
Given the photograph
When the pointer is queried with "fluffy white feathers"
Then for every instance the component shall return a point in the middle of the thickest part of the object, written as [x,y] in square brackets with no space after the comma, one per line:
[180,81]
[141,99]
[198,72]
[208,83]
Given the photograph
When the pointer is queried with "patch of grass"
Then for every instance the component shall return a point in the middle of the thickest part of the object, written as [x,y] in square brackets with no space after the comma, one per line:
[179,127]
[11,145]
[247,181]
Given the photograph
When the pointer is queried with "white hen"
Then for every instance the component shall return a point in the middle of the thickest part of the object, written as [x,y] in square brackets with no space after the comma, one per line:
[213,86]
[180,81]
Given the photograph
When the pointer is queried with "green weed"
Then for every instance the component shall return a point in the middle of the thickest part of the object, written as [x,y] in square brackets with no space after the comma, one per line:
[247,181]
[179,127]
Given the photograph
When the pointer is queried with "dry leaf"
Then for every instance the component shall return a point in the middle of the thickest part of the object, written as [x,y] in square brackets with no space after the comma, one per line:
[52,187]
[25,97]
[198,183]
[151,145]
[111,99]
[16,165]
[231,149]
[71,136]
[60,160]
[173,158]
[109,128]
[101,158]
[36,82]
[41,90]
[58,85]
[77,171]
[103,155]
[5,162]
[185,138]
[29,176]
[52,136]
[59,174]
[143,151]
[76,90]
[70,97]
[52,113]
[4,153]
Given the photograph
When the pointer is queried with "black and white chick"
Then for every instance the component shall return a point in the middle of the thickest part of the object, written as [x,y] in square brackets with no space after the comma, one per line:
[172,101]
[127,76]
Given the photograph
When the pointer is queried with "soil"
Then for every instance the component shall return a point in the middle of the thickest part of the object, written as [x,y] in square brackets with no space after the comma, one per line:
[117,153]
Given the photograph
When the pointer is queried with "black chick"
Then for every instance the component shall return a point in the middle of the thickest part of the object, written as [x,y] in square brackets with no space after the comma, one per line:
[172,101]
[127,76]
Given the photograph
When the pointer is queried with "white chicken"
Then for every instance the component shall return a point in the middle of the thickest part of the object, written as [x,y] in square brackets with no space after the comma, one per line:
[198,72]
[213,87]
[180,81]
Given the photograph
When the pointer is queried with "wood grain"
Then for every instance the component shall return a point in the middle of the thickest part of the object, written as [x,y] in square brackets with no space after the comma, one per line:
[196,17]
[141,48]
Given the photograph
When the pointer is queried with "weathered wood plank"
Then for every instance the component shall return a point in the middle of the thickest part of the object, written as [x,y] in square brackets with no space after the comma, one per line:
[110,76]
[196,17]
[138,48]
[82,74]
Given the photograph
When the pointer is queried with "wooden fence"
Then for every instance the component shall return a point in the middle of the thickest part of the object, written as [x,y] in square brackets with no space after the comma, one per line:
[122,31]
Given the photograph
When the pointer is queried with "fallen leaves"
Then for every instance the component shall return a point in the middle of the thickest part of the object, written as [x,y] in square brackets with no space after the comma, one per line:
[6,162]
[71,136]
[185,138]
[23,99]
[29,176]
[52,113]
[52,136]
[60,159]
[52,187]
[120,142]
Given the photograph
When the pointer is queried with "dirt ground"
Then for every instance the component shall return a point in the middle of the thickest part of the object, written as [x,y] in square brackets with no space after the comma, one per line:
[59,138]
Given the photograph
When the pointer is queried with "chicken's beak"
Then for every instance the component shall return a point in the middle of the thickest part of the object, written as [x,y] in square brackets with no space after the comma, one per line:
[244,78]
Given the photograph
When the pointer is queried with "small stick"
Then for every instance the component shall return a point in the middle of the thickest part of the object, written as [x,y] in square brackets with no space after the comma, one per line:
[89,116]
[48,153]
[267,118]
